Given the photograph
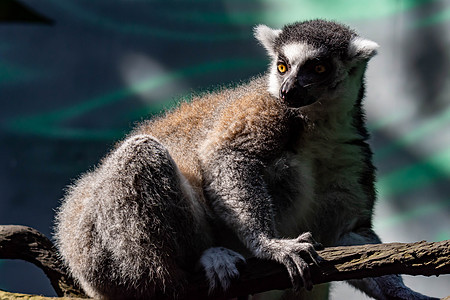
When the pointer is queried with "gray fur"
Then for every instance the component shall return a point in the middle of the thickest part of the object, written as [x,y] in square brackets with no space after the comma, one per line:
[259,169]
[221,267]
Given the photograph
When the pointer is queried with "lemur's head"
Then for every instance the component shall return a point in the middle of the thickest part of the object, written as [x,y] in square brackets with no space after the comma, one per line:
[315,61]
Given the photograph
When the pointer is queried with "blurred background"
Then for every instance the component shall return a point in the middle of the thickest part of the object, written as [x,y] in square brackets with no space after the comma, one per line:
[75,75]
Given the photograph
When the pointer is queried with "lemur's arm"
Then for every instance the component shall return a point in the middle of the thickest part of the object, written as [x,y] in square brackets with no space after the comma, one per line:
[239,196]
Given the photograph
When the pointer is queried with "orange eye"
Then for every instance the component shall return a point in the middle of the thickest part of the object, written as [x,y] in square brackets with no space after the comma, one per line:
[319,69]
[282,68]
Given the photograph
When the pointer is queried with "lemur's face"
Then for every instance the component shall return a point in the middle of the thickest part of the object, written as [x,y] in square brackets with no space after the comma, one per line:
[300,74]
[314,61]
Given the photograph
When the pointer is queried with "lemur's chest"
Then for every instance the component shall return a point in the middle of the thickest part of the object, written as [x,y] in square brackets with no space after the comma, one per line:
[316,188]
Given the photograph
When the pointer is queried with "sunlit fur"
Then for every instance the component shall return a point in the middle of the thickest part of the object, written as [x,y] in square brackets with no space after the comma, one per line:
[233,172]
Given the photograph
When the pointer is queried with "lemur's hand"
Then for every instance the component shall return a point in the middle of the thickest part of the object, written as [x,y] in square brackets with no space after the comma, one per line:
[295,254]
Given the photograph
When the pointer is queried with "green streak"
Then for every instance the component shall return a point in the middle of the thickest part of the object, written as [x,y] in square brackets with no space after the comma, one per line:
[429,126]
[147,30]
[46,124]
[433,168]
[10,74]
[390,120]
[442,236]
[285,11]
[409,215]
[439,17]
[243,13]
[147,112]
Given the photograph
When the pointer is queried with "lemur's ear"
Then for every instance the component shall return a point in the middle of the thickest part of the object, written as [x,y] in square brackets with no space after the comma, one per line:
[266,36]
[361,48]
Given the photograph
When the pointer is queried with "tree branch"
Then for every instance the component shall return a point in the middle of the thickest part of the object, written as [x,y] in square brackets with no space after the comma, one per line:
[342,263]
[339,263]
[26,243]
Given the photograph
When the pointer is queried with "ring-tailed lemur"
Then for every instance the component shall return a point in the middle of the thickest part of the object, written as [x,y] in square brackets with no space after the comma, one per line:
[258,169]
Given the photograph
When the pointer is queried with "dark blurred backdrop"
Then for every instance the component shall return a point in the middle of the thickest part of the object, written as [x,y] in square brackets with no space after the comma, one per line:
[75,75]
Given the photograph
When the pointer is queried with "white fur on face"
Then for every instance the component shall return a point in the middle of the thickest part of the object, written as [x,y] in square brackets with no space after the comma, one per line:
[274,83]
[296,54]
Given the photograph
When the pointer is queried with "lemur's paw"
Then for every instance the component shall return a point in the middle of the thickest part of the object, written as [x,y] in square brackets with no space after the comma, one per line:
[221,267]
[295,255]
[306,237]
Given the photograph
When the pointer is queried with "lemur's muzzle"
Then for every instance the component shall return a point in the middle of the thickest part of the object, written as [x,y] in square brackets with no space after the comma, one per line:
[294,94]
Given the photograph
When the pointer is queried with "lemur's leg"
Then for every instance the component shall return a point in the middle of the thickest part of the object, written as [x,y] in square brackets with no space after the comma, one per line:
[130,227]
[383,287]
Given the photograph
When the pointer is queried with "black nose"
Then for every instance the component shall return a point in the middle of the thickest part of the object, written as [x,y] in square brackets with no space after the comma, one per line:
[293,94]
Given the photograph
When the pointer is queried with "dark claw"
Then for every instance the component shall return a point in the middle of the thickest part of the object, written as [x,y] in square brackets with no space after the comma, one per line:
[318,246]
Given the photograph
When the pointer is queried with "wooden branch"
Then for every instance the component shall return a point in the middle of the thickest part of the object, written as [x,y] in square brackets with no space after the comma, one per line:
[339,263]
[26,243]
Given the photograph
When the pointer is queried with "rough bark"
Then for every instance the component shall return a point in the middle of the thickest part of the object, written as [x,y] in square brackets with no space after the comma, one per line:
[339,263]
[26,243]
[343,263]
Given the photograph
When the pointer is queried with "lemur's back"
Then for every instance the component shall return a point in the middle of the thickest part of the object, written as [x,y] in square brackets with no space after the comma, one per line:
[186,129]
